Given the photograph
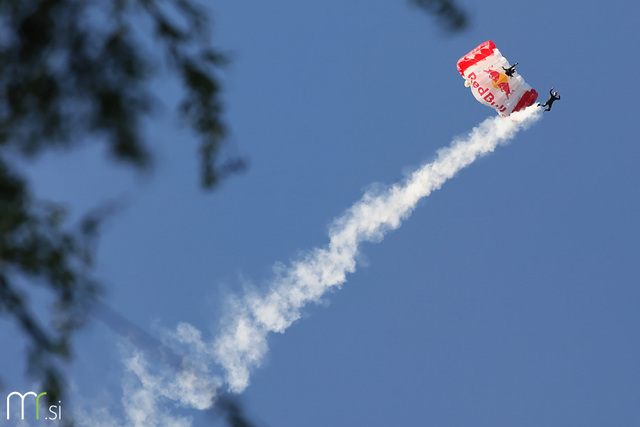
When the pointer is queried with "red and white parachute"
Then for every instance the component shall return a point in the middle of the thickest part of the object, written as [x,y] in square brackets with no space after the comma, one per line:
[483,70]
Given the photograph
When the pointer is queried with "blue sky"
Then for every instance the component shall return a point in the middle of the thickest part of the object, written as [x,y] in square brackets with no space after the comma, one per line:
[510,295]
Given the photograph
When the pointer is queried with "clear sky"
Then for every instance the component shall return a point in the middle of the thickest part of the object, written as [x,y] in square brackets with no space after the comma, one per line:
[510,296]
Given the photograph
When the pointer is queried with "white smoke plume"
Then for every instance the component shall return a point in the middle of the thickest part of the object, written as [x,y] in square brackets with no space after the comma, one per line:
[242,344]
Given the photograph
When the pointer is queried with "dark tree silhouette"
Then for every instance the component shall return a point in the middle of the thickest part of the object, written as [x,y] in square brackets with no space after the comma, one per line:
[75,72]
[449,14]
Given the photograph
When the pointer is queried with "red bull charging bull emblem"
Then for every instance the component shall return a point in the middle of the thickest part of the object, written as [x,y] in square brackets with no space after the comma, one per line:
[499,81]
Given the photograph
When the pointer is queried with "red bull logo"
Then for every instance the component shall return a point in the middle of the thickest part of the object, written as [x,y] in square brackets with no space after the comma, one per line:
[500,81]
[490,83]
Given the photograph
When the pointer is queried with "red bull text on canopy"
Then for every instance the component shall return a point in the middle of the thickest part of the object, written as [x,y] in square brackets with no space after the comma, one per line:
[483,70]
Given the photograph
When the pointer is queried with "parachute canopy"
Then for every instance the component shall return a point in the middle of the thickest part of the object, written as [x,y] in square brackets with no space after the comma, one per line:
[484,72]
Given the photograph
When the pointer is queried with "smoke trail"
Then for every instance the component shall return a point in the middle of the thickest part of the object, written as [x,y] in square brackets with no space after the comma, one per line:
[243,341]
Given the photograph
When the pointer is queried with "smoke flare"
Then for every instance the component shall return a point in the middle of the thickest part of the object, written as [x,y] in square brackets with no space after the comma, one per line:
[242,344]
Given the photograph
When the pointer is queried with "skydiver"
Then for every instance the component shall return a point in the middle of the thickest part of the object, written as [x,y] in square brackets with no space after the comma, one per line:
[553,96]
[509,71]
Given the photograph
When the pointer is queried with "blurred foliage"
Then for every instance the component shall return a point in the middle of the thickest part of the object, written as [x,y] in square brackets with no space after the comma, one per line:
[449,15]
[36,248]
[229,408]
[75,72]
